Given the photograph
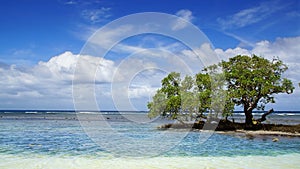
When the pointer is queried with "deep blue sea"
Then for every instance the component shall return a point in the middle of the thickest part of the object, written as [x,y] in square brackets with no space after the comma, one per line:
[68,139]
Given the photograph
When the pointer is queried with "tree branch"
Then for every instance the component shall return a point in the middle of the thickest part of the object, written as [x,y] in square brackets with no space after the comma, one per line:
[201,116]
[254,105]
[263,117]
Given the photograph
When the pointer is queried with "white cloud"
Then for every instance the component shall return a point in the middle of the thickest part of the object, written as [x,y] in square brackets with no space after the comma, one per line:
[243,42]
[287,49]
[224,55]
[186,16]
[109,37]
[145,84]
[58,68]
[71,2]
[96,15]
[250,16]
[141,91]
[200,57]
[50,83]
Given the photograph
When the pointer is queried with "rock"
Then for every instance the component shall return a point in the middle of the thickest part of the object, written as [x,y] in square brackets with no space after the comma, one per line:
[275,139]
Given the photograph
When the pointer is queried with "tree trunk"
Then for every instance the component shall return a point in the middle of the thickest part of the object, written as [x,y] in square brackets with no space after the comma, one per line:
[249,118]
[263,117]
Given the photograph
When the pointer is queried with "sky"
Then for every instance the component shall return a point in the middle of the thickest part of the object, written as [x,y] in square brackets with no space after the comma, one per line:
[42,42]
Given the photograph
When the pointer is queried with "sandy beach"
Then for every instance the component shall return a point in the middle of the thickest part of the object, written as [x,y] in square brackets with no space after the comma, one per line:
[239,162]
[260,133]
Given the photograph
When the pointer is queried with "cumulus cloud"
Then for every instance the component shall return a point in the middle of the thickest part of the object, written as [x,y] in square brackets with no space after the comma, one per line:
[141,91]
[225,54]
[51,80]
[49,84]
[286,49]
[186,16]
[204,53]
[58,68]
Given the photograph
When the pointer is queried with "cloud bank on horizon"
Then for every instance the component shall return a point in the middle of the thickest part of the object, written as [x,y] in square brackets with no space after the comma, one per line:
[50,83]
[47,83]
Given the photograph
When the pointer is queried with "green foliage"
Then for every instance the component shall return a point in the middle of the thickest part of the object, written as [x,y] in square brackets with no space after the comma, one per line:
[170,84]
[167,101]
[250,81]
[158,105]
[170,87]
[189,96]
[253,81]
[180,99]
[203,83]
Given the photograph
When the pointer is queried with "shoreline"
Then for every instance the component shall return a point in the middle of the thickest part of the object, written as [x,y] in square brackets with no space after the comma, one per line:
[279,161]
[246,133]
[260,133]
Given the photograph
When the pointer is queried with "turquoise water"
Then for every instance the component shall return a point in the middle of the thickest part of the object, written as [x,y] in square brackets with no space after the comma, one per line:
[40,136]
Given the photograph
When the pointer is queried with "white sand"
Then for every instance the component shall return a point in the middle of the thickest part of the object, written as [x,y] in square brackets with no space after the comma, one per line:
[44,162]
[260,132]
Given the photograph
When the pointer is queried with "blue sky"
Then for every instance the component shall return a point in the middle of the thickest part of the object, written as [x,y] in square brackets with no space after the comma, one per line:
[45,36]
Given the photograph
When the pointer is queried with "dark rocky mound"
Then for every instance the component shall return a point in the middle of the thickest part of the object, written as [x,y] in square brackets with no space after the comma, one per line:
[226,125]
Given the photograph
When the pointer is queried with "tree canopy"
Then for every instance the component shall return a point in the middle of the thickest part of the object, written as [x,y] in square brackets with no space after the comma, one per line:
[248,81]
[182,99]
[252,82]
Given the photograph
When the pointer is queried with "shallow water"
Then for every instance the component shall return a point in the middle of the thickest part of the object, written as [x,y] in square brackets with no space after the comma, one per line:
[53,140]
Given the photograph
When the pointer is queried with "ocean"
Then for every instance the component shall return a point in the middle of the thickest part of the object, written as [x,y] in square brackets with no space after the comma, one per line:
[78,140]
